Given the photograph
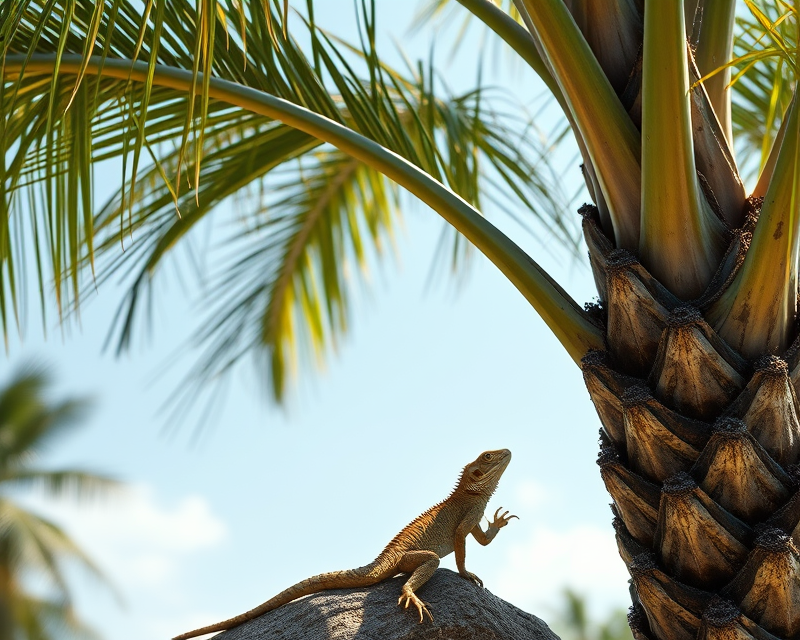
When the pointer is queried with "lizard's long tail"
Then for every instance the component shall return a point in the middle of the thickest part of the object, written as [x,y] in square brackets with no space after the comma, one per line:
[361,577]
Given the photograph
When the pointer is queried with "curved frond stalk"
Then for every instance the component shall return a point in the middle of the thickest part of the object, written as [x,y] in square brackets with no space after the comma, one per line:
[571,325]
[242,151]
[682,240]
[611,139]
[756,314]
[466,142]
[714,50]
[589,173]
[291,269]
[515,36]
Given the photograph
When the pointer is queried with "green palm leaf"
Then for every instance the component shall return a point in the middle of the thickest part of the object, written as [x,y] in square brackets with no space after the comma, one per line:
[29,423]
[574,622]
[31,545]
[59,483]
[287,286]
[31,542]
[471,143]
[40,619]
[763,84]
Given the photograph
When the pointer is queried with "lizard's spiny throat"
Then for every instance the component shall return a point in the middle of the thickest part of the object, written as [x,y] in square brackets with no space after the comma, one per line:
[482,475]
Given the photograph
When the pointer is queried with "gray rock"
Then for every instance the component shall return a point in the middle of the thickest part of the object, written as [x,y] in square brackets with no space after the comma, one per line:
[461,611]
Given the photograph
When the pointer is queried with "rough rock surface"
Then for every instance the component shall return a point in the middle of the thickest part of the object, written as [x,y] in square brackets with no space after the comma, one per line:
[461,611]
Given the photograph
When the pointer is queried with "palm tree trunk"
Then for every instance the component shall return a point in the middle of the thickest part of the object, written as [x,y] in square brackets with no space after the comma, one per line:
[699,450]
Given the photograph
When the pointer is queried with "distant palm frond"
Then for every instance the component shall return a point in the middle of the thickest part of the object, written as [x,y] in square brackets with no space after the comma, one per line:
[30,544]
[573,621]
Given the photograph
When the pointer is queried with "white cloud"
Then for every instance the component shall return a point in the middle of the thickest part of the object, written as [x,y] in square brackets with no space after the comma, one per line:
[583,558]
[136,536]
[146,546]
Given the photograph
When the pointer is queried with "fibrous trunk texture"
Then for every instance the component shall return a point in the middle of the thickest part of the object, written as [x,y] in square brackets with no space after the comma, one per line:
[699,451]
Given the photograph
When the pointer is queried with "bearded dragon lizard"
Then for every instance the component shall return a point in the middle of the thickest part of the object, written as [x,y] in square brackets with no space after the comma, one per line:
[416,550]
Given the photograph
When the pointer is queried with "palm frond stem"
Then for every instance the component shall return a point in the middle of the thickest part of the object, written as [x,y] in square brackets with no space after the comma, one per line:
[571,325]
[756,313]
[714,50]
[611,139]
[518,38]
[682,240]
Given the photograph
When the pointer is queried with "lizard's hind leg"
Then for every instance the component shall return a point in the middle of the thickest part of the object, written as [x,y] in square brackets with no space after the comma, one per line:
[421,565]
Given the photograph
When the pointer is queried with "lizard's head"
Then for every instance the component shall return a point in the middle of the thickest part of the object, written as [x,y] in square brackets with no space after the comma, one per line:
[482,475]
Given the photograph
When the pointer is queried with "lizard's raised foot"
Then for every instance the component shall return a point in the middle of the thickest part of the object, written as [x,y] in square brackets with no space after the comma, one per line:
[472,578]
[409,597]
[502,521]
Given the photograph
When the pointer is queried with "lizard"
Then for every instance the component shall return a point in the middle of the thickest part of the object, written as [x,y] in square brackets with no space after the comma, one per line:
[416,550]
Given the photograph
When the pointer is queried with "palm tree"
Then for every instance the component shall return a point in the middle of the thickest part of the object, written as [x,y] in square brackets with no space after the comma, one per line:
[688,356]
[31,546]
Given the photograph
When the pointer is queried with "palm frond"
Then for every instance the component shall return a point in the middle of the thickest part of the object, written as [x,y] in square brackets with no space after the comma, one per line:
[287,280]
[442,12]
[29,423]
[59,482]
[31,545]
[763,80]
[40,619]
[29,542]
[575,615]
[307,227]
[504,20]
[465,142]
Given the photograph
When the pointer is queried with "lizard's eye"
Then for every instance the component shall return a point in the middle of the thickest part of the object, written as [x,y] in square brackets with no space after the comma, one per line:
[487,456]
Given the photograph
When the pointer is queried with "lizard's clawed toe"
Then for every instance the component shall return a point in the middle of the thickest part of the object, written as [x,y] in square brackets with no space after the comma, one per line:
[409,597]
[501,521]
[472,578]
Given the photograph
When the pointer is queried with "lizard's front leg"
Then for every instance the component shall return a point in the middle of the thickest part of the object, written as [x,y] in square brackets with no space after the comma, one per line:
[459,545]
[499,522]
[460,548]
[421,565]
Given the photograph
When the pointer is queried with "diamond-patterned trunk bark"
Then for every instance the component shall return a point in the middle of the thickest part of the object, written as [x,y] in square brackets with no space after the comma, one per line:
[699,451]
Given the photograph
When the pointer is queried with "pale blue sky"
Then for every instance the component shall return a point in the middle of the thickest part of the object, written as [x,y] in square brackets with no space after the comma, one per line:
[427,378]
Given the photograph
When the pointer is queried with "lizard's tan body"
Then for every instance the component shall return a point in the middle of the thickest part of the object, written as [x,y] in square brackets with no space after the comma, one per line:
[416,550]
